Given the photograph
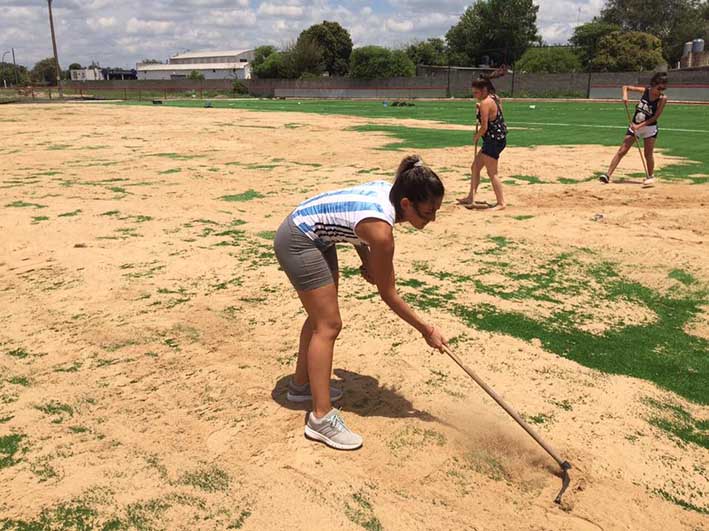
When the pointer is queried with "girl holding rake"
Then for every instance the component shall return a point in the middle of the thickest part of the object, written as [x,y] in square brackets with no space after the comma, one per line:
[642,125]
[493,132]
[363,215]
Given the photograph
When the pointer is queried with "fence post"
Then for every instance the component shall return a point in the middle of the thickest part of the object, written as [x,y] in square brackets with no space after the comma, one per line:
[140,95]
[165,93]
[49,90]
[512,90]
[588,89]
[201,90]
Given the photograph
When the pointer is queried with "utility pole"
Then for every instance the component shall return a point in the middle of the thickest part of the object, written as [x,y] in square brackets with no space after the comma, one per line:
[17,74]
[54,45]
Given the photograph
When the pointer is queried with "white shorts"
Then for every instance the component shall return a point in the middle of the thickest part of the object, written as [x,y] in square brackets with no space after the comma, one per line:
[649,131]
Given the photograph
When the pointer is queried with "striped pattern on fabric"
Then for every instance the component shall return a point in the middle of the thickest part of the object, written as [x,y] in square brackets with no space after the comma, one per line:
[331,217]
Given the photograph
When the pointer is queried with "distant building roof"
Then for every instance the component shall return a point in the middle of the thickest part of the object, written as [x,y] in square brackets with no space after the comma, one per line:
[218,53]
[192,66]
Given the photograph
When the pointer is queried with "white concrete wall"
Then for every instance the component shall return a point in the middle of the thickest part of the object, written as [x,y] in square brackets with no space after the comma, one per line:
[87,74]
[243,73]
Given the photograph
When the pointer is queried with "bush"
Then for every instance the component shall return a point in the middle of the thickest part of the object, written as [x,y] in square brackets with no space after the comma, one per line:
[628,51]
[549,60]
[373,62]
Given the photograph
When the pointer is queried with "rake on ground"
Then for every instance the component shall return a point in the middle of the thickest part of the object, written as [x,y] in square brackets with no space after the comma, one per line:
[565,465]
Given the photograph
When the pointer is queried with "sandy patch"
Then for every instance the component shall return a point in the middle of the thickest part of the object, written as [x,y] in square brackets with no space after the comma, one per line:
[144,307]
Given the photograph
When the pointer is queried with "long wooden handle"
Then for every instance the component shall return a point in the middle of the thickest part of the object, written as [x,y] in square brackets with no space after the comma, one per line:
[637,140]
[477,126]
[511,412]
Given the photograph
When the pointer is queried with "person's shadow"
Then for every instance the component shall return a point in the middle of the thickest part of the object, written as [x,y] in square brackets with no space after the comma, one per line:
[363,395]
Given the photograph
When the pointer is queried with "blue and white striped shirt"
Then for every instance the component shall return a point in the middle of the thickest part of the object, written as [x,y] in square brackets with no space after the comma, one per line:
[331,217]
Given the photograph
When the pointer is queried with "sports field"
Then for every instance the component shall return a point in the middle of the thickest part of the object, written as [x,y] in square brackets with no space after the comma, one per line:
[147,334]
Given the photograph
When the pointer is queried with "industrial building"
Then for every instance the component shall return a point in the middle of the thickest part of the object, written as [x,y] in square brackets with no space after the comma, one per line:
[96,73]
[694,55]
[232,64]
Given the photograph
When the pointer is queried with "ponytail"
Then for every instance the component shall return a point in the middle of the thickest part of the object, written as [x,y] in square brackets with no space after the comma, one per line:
[415,181]
[484,81]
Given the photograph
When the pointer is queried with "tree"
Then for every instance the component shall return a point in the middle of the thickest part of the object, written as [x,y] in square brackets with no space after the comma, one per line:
[401,65]
[629,51]
[586,37]
[305,58]
[196,76]
[335,43]
[74,66]
[45,71]
[14,75]
[500,29]
[429,52]
[150,62]
[272,67]
[372,62]
[261,54]
[549,60]
[673,21]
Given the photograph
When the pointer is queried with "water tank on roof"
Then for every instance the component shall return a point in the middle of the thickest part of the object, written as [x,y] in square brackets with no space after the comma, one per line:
[687,49]
[697,45]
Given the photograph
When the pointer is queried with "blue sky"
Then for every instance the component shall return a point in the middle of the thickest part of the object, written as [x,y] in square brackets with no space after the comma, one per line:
[120,33]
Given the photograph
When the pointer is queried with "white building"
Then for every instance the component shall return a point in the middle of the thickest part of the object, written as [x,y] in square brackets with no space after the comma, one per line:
[231,64]
[92,73]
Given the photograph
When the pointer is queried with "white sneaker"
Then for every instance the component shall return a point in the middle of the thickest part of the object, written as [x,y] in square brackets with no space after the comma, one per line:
[301,393]
[332,430]
[650,181]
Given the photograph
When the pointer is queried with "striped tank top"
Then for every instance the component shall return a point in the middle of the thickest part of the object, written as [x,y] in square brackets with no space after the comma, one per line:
[331,217]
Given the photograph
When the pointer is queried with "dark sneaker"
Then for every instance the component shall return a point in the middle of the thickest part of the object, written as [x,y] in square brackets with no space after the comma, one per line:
[301,393]
[604,178]
[332,430]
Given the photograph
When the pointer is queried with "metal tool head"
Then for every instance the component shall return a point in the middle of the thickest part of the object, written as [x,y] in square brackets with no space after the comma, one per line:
[565,480]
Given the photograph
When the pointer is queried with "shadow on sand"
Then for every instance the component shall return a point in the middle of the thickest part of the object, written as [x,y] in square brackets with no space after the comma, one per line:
[363,396]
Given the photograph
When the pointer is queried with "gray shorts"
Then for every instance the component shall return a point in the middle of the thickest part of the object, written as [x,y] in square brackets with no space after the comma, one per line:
[306,265]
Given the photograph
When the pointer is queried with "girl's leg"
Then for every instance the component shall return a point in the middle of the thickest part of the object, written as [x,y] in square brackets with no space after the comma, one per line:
[491,167]
[622,151]
[475,170]
[306,333]
[325,324]
[650,156]
[301,368]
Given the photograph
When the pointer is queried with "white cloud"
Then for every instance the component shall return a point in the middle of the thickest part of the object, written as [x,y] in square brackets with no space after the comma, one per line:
[101,22]
[399,26]
[267,8]
[154,27]
[233,18]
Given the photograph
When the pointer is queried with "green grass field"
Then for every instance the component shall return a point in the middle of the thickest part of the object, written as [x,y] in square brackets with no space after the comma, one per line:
[684,129]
